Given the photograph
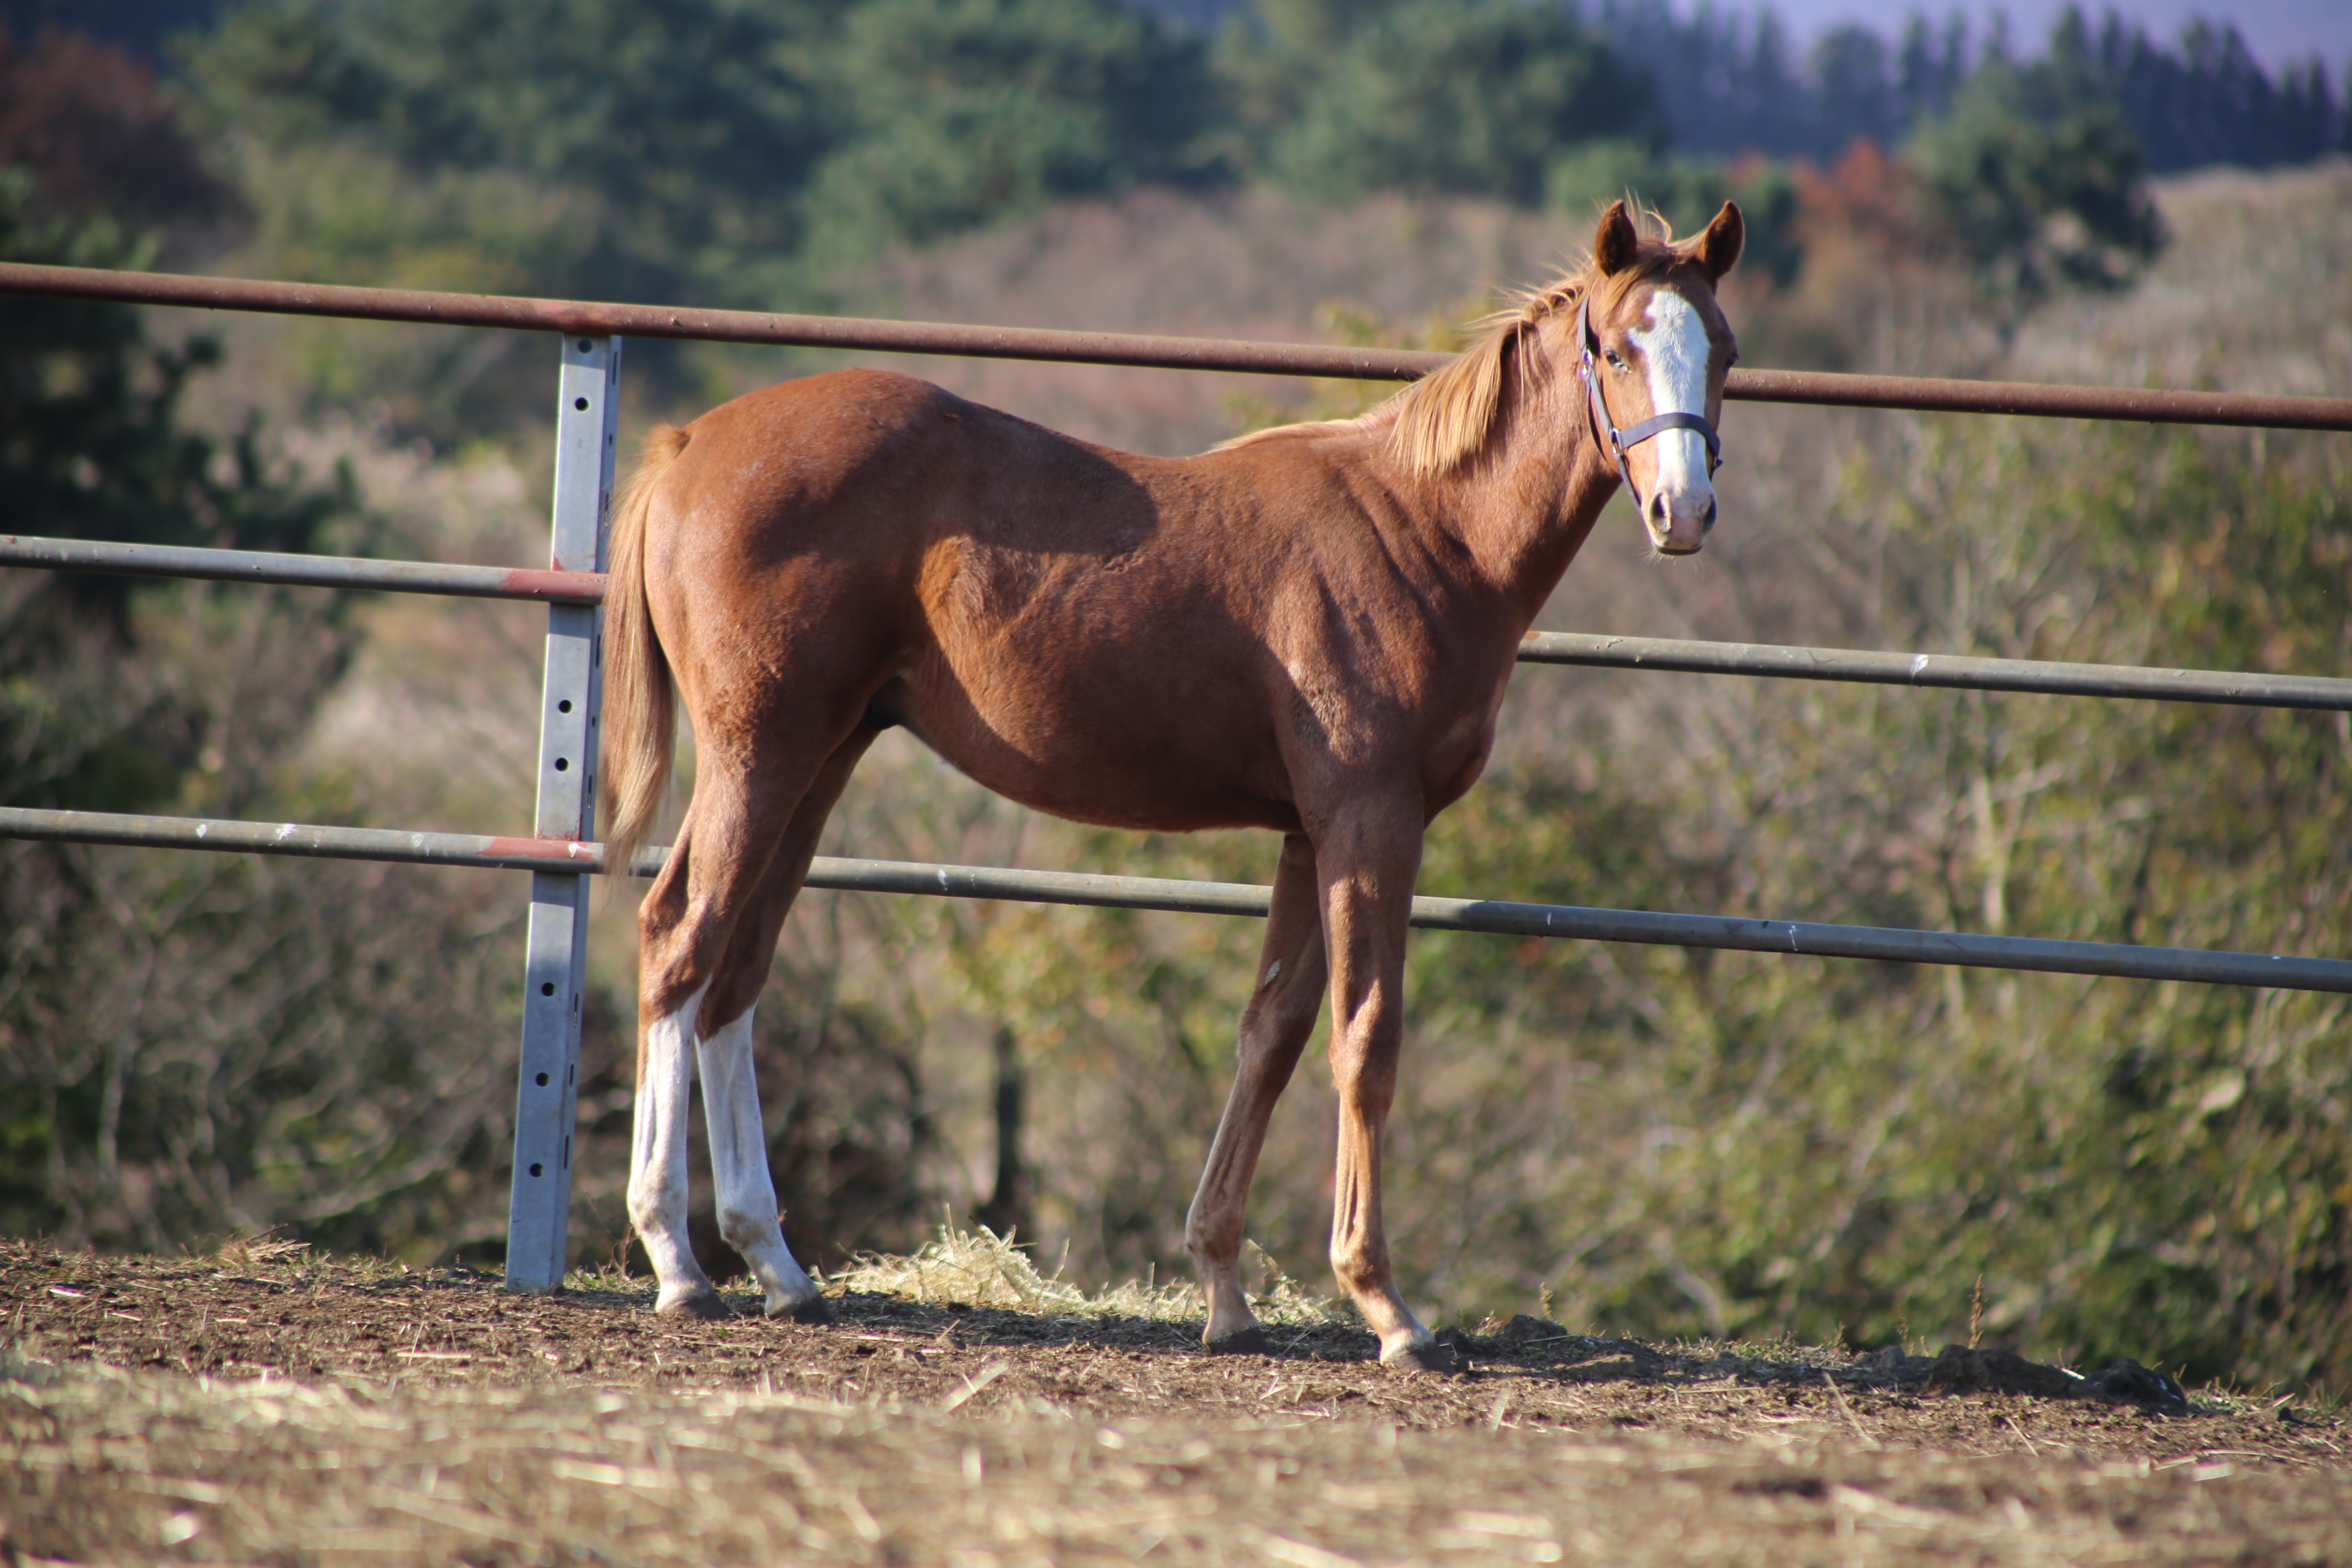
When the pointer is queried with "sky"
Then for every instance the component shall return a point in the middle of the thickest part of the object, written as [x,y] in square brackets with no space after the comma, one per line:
[2278,31]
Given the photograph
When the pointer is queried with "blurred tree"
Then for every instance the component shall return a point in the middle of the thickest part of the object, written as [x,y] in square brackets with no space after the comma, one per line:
[1848,68]
[1930,67]
[91,445]
[2034,186]
[720,151]
[1427,95]
[960,112]
[84,124]
[2209,100]
[189,1043]
[1729,82]
[696,126]
[1687,193]
[142,26]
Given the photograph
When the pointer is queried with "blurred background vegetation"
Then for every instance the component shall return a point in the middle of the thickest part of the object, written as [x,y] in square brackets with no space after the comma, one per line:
[1654,1140]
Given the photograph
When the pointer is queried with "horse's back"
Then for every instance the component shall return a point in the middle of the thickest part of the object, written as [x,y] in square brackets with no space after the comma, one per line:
[887,457]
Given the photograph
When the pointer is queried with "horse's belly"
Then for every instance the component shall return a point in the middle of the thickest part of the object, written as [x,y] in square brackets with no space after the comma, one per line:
[1136,757]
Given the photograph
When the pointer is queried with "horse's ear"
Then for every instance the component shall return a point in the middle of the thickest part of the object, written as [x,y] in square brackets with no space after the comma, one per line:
[1720,246]
[1615,244]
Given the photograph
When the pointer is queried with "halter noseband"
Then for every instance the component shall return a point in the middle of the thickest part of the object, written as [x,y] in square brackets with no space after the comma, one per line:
[1620,442]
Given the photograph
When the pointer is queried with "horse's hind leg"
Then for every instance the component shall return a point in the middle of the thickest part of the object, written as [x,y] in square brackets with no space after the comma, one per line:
[746,1194]
[717,882]
[1275,1028]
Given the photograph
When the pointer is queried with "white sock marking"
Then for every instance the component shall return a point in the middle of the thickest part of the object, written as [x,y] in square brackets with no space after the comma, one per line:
[657,1180]
[738,1166]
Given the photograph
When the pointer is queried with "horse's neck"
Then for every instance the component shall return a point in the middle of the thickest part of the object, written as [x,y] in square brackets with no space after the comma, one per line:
[1524,505]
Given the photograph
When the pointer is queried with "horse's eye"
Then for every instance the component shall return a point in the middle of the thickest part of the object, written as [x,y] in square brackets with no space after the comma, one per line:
[1613,359]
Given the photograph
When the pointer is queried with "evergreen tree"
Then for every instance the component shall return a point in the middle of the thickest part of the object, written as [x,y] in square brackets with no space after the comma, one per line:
[960,112]
[1433,95]
[2036,182]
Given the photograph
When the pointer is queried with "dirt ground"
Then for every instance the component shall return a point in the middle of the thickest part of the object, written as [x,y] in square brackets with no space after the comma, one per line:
[280,1409]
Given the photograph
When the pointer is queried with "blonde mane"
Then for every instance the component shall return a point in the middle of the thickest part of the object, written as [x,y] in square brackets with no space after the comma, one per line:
[1444,419]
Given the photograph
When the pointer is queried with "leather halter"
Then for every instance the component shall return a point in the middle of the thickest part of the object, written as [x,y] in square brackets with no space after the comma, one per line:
[1604,425]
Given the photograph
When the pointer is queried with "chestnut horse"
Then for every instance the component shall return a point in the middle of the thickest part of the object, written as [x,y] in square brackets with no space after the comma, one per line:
[1309,630]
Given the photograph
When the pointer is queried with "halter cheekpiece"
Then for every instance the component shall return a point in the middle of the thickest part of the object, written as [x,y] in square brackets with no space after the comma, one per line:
[1620,442]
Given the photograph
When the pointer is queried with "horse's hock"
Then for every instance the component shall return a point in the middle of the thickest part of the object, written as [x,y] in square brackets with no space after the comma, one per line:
[562,855]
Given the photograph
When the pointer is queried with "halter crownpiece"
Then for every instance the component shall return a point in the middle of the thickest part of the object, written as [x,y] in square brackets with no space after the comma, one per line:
[1620,442]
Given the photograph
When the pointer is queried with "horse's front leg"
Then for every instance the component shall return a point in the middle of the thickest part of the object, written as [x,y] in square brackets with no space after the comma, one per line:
[1275,1028]
[1368,858]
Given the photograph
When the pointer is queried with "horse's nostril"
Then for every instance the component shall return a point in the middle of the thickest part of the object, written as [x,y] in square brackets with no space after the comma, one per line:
[1706,523]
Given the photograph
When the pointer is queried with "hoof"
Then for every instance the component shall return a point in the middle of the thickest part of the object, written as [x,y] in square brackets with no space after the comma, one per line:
[817,1312]
[1250,1341]
[705,1303]
[1430,1357]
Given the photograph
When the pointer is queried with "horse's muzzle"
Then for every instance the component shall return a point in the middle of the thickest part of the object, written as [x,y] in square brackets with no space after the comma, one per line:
[1679,520]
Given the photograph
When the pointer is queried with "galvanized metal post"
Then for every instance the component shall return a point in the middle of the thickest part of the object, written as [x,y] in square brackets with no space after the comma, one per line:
[556,957]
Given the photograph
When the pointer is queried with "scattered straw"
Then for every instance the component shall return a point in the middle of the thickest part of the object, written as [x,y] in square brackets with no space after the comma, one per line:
[982,1268]
[258,1249]
[1850,1418]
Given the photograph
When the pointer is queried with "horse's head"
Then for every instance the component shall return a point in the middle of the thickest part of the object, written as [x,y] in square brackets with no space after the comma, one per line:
[1650,350]
[1636,340]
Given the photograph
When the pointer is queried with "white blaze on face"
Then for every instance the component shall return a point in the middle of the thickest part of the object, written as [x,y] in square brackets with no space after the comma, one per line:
[1674,348]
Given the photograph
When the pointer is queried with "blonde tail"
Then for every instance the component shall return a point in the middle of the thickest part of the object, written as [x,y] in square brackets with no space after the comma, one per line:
[640,708]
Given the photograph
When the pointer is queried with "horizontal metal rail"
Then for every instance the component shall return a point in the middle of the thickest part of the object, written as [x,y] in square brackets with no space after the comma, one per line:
[1488,916]
[1595,649]
[1938,669]
[1934,670]
[592,319]
[388,845]
[303,570]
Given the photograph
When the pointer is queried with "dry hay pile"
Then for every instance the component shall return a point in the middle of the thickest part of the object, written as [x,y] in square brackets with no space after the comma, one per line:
[284,1409]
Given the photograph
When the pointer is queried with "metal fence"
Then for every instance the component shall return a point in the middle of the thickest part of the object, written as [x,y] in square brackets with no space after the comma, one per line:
[561,856]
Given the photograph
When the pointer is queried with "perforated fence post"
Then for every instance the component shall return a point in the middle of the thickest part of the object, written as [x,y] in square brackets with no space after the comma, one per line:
[555,964]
